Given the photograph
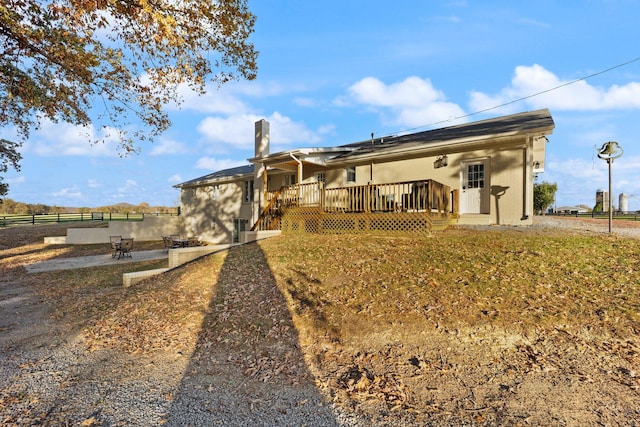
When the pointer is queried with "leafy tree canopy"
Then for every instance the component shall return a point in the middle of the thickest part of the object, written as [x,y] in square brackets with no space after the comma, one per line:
[543,195]
[113,64]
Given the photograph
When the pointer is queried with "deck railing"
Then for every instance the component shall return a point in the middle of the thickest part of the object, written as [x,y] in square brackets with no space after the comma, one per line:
[391,197]
[408,196]
[426,195]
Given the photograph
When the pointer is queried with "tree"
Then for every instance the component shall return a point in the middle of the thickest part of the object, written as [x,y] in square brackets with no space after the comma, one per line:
[543,196]
[598,207]
[113,65]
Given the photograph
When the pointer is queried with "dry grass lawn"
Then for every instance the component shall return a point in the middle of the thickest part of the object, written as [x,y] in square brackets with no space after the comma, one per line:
[493,327]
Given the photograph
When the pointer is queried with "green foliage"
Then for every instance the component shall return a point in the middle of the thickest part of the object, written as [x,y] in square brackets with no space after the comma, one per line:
[11,207]
[61,58]
[543,195]
[9,156]
[598,207]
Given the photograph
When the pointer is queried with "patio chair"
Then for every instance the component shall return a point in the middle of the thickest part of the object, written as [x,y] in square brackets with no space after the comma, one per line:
[114,241]
[126,246]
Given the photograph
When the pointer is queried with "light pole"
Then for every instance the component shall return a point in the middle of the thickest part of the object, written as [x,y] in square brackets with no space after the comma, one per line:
[609,151]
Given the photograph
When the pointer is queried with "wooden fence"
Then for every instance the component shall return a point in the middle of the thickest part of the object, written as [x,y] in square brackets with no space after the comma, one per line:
[14,220]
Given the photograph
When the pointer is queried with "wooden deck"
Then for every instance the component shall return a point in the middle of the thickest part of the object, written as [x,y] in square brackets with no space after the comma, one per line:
[403,207]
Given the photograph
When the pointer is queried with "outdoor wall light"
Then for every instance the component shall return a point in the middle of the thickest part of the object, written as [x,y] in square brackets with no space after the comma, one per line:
[440,162]
[536,165]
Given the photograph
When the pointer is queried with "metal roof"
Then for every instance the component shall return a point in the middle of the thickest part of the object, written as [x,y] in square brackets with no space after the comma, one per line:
[223,175]
[516,124]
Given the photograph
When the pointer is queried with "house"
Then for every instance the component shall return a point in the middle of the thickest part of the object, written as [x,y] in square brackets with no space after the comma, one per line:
[570,210]
[475,173]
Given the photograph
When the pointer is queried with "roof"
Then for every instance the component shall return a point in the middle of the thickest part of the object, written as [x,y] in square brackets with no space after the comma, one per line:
[223,175]
[536,123]
[484,130]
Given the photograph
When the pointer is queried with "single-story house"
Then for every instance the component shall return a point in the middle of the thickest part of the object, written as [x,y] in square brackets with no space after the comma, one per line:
[475,173]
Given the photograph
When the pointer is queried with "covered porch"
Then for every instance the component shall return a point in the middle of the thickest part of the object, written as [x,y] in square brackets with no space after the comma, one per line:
[409,206]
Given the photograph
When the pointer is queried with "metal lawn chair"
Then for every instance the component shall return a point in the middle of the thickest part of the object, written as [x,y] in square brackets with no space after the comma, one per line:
[126,246]
[114,241]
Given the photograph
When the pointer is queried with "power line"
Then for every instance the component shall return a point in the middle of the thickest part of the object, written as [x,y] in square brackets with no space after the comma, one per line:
[526,97]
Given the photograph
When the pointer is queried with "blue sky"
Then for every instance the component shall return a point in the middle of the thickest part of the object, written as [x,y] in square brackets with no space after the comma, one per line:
[332,72]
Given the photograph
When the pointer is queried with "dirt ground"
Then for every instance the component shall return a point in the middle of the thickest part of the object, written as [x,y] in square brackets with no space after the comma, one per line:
[456,376]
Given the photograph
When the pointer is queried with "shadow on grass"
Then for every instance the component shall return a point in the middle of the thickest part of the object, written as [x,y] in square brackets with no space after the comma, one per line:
[247,367]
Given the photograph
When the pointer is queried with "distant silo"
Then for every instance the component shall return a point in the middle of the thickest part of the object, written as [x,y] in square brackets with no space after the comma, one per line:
[602,199]
[624,202]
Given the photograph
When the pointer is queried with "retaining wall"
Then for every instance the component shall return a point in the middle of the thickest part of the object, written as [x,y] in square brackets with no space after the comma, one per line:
[151,228]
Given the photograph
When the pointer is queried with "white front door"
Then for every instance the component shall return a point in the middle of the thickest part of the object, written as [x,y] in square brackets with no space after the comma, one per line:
[474,194]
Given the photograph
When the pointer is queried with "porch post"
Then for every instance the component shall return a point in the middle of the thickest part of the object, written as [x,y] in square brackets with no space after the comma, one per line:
[265,190]
[528,180]
[299,162]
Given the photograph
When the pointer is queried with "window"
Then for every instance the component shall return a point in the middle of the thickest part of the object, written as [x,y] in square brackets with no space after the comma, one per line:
[475,175]
[290,180]
[247,193]
[351,174]
[321,178]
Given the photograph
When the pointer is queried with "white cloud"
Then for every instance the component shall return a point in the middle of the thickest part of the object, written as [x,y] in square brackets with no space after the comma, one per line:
[166,146]
[285,132]
[175,178]
[212,164]
[63,139]
[92,183]
[577,96]
[411,92]
[411,102]
[129,186]
[226,99]
[71,193]
[212,102]
[238,131]
[578,168]
[580,178]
